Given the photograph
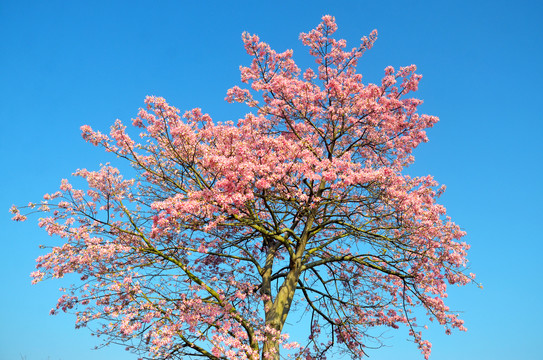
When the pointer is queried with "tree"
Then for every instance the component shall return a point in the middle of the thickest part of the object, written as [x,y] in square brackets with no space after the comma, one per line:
[228,227]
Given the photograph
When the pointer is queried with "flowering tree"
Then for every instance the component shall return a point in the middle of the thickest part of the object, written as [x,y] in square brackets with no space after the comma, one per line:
[228,227]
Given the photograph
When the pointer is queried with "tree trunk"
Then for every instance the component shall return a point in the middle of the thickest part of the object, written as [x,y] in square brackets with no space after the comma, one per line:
[276,310]
[270,349]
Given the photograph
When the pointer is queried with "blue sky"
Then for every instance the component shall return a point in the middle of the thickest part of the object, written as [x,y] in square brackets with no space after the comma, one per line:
[65,64]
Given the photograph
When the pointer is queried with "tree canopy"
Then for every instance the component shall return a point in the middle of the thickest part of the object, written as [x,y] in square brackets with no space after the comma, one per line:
[228,227]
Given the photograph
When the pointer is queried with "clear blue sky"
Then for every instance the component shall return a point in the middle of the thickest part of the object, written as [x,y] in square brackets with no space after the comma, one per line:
[65,64]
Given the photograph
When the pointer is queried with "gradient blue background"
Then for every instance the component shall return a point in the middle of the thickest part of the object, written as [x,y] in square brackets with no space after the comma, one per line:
[65,64]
